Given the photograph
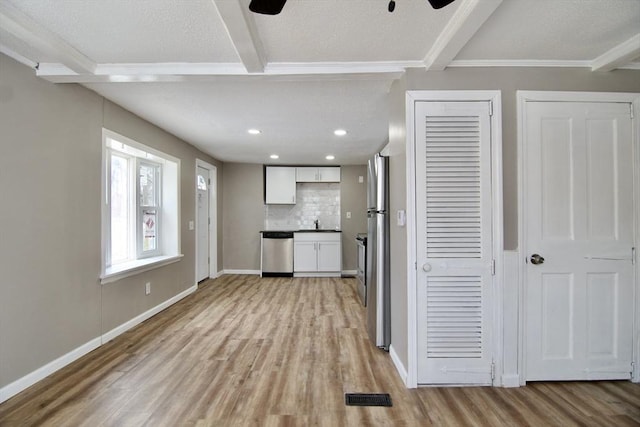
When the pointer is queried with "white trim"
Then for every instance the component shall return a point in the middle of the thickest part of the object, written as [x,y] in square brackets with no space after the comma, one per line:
[479,63]
[205,72]
[16,56]
[317,274]
[39,374]
[464,23]
[549,96]
[33,34]
[127,269]
[635,375]
[619,55]
[349,272]
[511,304]
[119,330]
[412,306]
[402,371]
[251,272]
[510,380]
[493,96]
[213,217]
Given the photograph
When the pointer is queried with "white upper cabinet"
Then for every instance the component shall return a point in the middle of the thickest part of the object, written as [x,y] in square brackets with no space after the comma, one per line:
[280,185]
[318,174]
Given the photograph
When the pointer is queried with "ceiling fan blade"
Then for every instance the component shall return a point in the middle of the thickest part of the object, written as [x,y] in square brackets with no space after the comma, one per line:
[439,4]
[267,7]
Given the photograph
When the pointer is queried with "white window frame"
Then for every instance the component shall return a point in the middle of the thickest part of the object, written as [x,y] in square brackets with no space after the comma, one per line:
[141,253]
[167,199]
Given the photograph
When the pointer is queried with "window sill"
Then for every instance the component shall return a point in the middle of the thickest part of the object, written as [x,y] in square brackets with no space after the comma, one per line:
[120,271]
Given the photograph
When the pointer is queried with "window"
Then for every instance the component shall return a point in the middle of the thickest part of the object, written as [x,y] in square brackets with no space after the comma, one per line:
[140,207]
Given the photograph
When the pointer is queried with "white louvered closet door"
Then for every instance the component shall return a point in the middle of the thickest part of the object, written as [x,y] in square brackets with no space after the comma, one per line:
[454,253]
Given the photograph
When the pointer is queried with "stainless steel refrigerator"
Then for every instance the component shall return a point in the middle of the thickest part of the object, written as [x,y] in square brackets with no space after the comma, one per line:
[378,278]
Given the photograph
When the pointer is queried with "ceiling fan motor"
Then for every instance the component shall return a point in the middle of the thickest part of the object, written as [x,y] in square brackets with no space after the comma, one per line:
[274,7]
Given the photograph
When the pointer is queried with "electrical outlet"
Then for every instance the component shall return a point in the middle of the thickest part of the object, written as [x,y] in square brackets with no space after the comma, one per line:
[147,288]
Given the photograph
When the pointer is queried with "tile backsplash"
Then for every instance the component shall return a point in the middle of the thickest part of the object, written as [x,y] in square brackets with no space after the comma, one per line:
[319,201]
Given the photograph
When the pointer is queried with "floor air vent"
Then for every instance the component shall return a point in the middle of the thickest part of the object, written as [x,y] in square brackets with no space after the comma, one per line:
[367,399]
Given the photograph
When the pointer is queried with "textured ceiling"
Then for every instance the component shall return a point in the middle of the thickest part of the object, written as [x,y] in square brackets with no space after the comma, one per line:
[554,29]
[147,31]
[352,30]
[297,119]
[208,70]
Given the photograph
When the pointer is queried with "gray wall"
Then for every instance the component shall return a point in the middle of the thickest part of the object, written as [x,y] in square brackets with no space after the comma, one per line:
[243,215]
[398,201]
[51,301]
[508,80]
[353,198]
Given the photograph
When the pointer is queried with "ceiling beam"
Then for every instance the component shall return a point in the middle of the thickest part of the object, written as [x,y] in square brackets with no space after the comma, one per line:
[243,33]
[620,55]
[197,72]
[467,19]
[24,28]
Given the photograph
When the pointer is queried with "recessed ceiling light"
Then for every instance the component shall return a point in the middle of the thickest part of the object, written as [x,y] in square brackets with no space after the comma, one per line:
[330,157]
[274,156]
[340,132]
[254,131]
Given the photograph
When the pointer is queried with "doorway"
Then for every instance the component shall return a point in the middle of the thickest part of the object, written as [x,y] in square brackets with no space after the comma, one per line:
[578,236]
[205,224]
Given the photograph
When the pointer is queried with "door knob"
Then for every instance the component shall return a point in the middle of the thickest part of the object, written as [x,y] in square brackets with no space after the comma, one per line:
[536,259]
[426,267]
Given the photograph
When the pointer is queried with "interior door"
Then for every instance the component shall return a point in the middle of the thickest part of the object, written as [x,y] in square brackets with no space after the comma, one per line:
[579,240]
[203,223]
[454,238]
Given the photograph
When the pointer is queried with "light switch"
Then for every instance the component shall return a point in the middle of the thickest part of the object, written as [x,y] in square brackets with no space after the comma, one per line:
[402,218]
[192,225]
[348,215]
[360,179]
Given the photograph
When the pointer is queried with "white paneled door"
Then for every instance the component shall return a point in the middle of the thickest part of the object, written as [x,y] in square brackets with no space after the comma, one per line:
[578,220]
[203,213]
[454,242]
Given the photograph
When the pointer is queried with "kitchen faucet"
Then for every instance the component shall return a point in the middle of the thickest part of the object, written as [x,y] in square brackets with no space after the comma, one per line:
[316,222]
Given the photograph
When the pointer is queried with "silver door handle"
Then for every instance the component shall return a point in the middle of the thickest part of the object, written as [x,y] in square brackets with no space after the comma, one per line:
[536,259]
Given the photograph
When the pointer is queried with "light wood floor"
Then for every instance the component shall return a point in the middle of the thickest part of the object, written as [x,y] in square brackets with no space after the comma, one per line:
[282,352]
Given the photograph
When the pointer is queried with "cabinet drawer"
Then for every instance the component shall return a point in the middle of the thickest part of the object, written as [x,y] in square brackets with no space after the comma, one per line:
[317,237]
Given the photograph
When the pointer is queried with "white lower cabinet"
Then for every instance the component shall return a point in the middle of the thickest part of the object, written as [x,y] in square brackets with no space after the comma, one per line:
[317,254]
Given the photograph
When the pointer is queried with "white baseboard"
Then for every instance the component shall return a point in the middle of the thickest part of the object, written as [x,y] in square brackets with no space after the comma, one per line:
[349,272]
[398,364]
[252,272]
[317,274]
[511,380]
[118,330]
[30,379]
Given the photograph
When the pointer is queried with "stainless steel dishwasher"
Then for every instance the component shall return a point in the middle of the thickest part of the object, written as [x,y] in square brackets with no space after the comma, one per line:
[277,254]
